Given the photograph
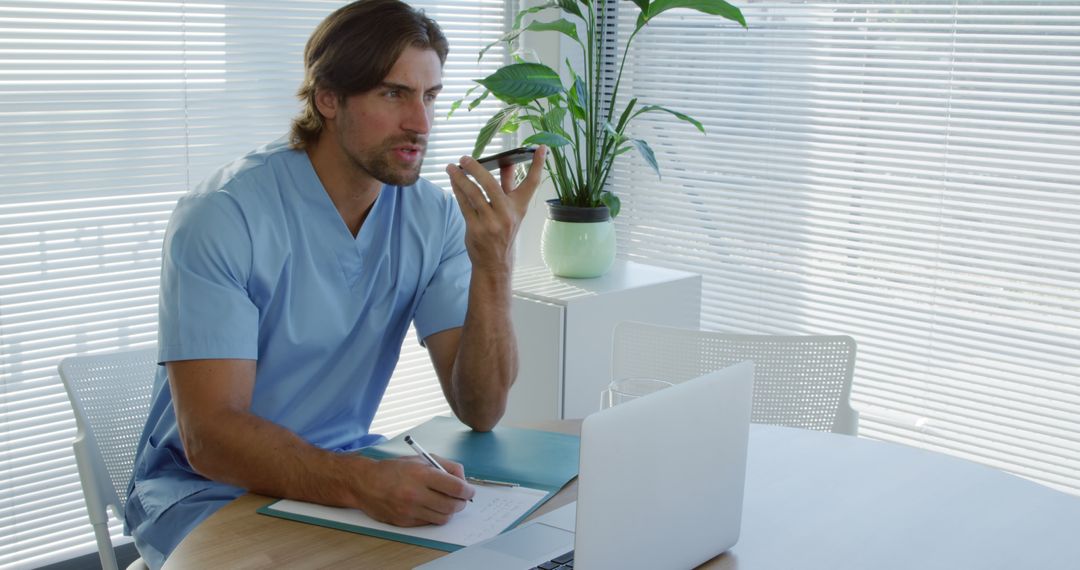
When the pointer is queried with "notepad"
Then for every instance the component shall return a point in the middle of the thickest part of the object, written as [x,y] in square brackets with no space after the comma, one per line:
[539,462]
[493,510]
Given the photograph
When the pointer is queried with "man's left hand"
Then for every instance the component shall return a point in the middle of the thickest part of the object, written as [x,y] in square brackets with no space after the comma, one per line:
[492,223]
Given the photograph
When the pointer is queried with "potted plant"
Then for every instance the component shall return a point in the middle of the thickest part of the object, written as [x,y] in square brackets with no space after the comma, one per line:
[585,135]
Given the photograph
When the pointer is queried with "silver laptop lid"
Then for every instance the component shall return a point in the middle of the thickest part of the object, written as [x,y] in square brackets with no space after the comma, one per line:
[661,478]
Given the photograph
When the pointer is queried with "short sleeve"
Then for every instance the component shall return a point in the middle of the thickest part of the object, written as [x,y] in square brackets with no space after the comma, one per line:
[444,301]
[204,310]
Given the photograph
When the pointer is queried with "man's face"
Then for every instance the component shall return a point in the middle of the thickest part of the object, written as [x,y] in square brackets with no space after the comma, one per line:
[384,132]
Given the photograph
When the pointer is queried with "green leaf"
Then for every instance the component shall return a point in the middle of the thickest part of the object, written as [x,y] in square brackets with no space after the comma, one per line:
[517,30]
[549,139]
[713,7]
[534,121]
[563,26]
[613,132]
[454,107]
[555,116]
[511,126]
[523,83]
[521,15]
[494,124]
[553,120]
[576,110]
[581,91]
[456,104]
[578,97]
[625,117]
[687,118]
[476,102]
[571,7]
[509,37]
[612,202]
[646,153]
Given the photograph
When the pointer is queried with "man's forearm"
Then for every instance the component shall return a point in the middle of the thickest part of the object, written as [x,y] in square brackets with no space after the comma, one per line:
[487,360]
[245,450]
[265,458]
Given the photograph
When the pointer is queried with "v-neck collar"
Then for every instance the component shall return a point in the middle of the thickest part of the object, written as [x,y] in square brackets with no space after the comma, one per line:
[357,255]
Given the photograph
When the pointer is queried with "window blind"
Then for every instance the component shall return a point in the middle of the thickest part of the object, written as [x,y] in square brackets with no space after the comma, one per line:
[903,172]
[109,111]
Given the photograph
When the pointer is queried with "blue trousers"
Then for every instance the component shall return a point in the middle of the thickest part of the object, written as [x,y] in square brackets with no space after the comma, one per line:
[156,539]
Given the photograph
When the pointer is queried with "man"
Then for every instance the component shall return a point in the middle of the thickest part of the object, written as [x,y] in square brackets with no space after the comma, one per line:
[290,278]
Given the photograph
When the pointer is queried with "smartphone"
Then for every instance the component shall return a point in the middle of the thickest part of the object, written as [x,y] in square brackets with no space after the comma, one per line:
[507,158]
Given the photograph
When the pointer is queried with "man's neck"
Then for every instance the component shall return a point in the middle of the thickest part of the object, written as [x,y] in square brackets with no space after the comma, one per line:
[352,190]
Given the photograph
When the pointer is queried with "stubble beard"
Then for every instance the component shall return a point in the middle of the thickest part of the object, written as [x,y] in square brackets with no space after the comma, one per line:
[378,162]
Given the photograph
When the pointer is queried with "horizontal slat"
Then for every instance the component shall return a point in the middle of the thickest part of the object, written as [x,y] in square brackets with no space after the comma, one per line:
[119,107]
[905,174]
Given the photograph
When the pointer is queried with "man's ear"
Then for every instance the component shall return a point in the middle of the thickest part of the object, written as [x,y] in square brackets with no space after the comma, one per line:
[327,103]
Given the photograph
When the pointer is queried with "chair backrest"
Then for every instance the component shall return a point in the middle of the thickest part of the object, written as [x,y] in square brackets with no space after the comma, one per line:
[110,395]
[799,381]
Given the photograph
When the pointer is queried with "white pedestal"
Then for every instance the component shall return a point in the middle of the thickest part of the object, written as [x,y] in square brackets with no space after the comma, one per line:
[564,331]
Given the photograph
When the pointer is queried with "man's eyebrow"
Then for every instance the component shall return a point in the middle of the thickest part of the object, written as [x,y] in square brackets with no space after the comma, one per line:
[406,88]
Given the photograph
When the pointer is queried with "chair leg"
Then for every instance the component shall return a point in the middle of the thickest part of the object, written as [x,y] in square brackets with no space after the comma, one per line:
[105,549]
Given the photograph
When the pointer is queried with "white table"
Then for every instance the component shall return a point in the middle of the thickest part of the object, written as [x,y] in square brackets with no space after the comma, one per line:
[813,501]
[825,501]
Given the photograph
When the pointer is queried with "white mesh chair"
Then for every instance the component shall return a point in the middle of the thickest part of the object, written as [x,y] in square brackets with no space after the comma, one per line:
[110,394]
[799,381]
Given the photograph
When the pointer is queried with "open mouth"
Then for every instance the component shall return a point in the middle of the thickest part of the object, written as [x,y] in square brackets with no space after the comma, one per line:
[409,153]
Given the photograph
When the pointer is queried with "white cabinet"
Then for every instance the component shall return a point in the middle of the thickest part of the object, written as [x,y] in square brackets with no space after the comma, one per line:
[564,331]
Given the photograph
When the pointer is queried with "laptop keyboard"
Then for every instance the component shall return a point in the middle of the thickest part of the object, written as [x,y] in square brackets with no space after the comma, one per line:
[559,562]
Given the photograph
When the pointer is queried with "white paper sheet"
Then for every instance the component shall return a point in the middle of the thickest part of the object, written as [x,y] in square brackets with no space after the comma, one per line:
[493,510]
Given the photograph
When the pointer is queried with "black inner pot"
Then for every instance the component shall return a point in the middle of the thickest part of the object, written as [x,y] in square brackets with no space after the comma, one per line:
[561,213]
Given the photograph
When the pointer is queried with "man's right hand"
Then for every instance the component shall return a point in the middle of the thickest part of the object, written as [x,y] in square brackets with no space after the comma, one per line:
[409,492]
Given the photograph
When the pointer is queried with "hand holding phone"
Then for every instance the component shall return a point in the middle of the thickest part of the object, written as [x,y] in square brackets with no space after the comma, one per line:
[507,158]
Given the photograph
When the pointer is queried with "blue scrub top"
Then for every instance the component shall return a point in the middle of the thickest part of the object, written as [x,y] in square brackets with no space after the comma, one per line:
[259,265]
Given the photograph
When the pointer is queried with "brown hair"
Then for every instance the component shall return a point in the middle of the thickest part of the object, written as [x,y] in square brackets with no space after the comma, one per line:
[353,50]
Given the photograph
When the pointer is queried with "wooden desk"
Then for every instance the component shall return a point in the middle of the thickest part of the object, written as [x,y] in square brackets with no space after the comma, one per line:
[236,537]
[813,501]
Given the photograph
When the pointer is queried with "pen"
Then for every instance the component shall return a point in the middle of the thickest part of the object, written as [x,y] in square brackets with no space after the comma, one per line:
[420,451]
[491,482]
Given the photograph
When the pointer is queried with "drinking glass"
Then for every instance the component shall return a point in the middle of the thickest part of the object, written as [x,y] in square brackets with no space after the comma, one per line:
[627,389]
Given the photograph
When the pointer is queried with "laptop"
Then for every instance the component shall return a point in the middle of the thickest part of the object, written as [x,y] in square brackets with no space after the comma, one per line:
[660,485]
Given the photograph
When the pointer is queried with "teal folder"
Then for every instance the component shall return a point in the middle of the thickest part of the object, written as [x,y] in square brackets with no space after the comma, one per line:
[531,458]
